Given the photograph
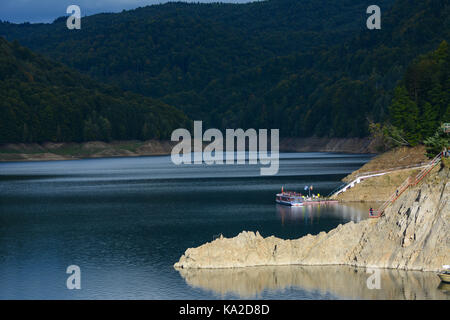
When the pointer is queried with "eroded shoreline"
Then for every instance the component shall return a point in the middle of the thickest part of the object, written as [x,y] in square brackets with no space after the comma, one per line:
[96,149]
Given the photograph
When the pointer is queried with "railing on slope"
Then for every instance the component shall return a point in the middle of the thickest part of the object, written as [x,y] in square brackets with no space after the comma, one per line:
[410,181]
[411,166]
[337,189]
[405,185]
[370,174]
[427,170]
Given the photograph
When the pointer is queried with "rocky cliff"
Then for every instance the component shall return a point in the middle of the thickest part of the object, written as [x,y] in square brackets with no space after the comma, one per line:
[412,235]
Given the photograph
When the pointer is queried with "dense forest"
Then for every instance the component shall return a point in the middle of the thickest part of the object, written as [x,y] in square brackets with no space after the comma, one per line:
[421,103]
[307,67]
[41,100]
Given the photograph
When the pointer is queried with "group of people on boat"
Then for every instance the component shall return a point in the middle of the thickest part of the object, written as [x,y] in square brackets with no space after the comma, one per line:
[298,194]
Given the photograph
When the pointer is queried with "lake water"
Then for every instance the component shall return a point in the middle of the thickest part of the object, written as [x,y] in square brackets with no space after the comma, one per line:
[126,221]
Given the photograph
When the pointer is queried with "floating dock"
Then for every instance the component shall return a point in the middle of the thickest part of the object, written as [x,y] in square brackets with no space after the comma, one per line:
[294,199]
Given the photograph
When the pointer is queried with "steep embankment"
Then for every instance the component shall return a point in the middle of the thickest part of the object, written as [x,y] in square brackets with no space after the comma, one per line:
[381,187]
[413,235]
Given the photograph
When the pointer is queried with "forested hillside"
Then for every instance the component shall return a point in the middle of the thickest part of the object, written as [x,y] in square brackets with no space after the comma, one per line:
[41,100]
[334,91]
[307,67]
[217,62]
[421,102]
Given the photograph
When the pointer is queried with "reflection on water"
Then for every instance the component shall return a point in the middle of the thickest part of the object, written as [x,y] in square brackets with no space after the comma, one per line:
[342,282]
[311,214]
[444,287]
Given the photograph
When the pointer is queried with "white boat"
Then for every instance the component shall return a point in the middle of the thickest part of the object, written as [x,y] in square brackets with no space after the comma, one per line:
[289,199]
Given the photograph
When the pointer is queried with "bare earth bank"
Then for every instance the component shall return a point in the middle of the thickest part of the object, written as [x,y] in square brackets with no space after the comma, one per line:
[98,149]
[382,187]
[73,150]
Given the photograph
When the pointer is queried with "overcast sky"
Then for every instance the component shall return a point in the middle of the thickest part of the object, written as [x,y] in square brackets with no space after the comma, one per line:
[48,10]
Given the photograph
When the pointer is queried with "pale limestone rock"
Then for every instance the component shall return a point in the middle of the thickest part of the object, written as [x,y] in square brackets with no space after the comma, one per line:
[413,235]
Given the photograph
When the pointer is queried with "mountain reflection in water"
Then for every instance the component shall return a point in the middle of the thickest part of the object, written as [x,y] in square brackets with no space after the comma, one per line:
[342,282]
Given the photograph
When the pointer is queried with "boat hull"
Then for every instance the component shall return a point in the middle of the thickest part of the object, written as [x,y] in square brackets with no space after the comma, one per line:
[289,204]
[305,203]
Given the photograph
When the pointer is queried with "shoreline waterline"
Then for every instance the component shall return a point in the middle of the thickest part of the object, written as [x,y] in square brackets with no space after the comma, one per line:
[49,151]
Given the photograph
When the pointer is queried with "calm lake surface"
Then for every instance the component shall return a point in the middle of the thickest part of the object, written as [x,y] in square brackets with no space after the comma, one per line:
[126,221]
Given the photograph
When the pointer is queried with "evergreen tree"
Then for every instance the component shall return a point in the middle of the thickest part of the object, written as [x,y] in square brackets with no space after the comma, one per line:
[404,114]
